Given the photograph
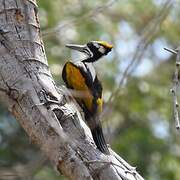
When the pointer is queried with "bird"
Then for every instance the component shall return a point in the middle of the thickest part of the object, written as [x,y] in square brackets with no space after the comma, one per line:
[81,76]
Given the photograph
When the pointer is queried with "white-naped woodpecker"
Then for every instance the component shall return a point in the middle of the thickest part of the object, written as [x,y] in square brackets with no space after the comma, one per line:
[81,76]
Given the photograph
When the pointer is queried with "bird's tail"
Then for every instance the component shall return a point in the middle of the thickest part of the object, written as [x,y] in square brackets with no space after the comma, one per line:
[96,130]
[99,139]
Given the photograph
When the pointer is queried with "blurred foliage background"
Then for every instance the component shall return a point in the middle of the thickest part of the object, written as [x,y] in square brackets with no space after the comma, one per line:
[136,77]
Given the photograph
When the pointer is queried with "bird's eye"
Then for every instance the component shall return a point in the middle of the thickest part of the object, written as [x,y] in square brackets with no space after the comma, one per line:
[102,49]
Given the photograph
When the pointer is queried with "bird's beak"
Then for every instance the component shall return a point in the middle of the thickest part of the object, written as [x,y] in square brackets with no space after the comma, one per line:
[80,48]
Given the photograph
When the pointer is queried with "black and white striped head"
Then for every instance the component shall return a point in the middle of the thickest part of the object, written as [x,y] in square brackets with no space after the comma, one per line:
[93,49]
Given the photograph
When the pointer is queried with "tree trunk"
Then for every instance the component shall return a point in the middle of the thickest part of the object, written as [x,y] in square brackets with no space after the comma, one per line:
[30,93]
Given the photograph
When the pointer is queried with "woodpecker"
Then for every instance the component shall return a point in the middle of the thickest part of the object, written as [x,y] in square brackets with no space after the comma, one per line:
[81,76]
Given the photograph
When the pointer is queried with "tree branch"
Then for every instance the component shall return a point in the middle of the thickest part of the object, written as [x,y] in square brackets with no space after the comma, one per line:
[175,87]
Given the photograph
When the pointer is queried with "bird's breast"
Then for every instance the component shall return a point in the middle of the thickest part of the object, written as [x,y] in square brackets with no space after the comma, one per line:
[77,81]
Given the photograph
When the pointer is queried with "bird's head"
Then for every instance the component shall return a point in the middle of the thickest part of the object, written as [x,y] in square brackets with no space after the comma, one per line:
[93,49]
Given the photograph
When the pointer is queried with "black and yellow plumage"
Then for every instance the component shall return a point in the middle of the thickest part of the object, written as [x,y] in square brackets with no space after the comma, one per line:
[81,76]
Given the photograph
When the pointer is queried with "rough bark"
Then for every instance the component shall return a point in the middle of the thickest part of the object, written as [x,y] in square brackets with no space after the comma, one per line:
[26,86]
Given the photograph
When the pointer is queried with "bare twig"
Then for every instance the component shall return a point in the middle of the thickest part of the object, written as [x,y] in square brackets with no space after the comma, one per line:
[175,87]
